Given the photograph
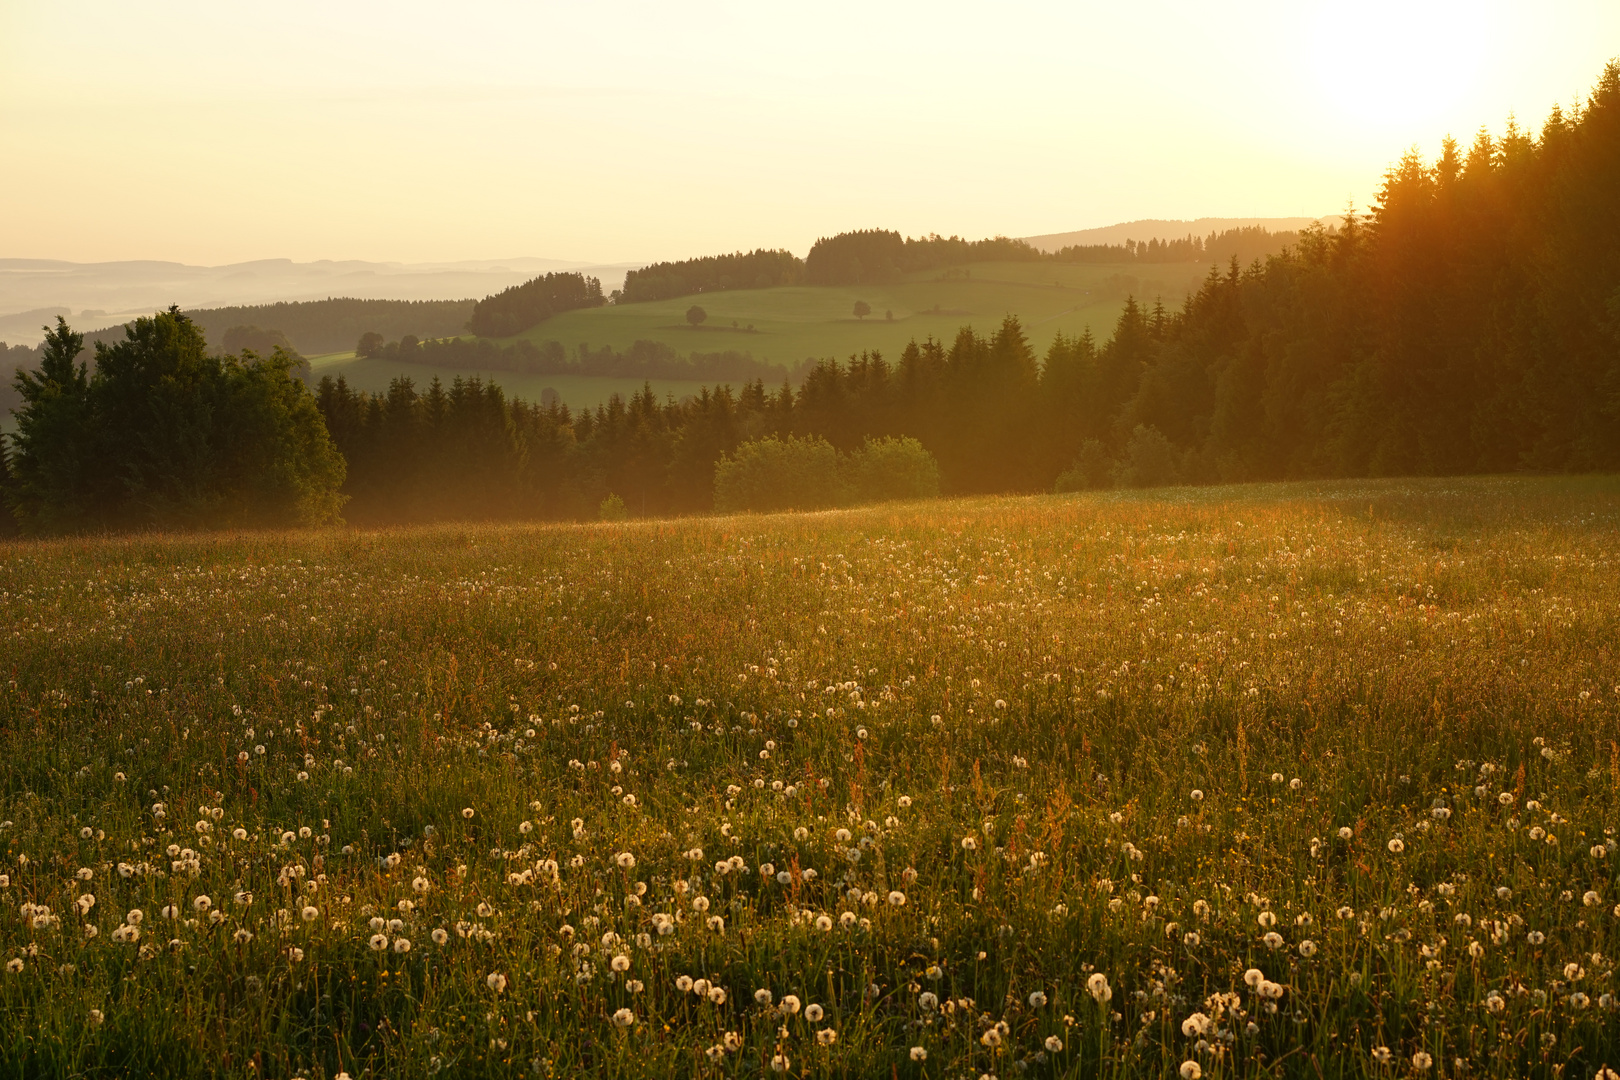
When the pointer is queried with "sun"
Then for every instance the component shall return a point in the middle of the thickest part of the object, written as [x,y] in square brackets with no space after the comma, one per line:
[1398,68]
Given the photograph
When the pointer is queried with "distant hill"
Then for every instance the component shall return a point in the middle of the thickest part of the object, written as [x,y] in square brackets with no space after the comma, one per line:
[913,288]
[98,295]
[310,326]
[24,326]
[1156,229]
[323,326]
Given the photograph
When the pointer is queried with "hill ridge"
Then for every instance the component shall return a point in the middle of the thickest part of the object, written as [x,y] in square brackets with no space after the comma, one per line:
[1164,229]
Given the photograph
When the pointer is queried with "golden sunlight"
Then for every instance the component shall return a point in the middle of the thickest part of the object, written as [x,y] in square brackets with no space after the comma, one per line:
[1393,67]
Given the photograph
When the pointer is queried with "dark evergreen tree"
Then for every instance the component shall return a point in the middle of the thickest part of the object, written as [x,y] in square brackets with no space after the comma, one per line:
[52,460]
[165,435]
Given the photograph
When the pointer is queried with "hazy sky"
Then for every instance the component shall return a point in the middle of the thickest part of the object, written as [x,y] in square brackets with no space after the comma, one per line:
[221,131]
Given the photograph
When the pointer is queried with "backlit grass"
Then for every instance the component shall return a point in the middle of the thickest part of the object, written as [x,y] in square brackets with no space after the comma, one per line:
[1235,782]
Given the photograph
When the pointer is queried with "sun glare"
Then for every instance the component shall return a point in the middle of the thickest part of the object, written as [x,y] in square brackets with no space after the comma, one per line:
[1390,68]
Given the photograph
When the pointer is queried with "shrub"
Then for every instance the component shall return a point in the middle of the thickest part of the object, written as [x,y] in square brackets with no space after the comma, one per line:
[1150,460]
[612,509]
[1089,471]
[778,474]
[808,474]
[888,468]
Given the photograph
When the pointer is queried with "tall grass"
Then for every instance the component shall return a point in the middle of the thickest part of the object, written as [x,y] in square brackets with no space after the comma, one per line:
[1007,787]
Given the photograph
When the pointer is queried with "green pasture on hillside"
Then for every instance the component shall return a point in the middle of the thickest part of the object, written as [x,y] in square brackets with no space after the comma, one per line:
[575,391]
[787,325]
[1307,780]
[796,322]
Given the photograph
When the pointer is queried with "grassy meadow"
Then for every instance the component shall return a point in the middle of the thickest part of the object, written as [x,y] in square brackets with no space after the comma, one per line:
[1305,780]
[793,323]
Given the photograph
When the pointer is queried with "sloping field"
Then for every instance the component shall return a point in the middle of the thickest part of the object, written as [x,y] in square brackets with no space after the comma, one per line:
[1268,781]
[786,326]
[794,323]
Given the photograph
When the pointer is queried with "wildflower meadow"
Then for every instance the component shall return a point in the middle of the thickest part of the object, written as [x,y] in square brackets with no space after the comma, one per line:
[1306,780]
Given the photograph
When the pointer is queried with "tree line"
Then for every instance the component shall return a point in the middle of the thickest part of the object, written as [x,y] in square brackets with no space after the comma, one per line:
[1245,244]
[332,325]
[759,269]
[878,255]
[875,256]
[642,360]
[514,310]
[1469,323]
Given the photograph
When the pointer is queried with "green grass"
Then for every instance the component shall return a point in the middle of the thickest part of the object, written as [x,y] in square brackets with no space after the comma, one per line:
[1170,723]
[575,391]
[794,323]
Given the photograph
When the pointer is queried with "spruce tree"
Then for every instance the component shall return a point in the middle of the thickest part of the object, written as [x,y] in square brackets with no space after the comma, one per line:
[52,462]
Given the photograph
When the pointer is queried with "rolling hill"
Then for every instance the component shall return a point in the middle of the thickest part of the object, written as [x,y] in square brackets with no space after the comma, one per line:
[94,296]
[1159,229]
[789,324]
[785,326]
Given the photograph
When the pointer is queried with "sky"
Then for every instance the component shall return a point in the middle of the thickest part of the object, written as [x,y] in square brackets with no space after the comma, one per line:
[211,133]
